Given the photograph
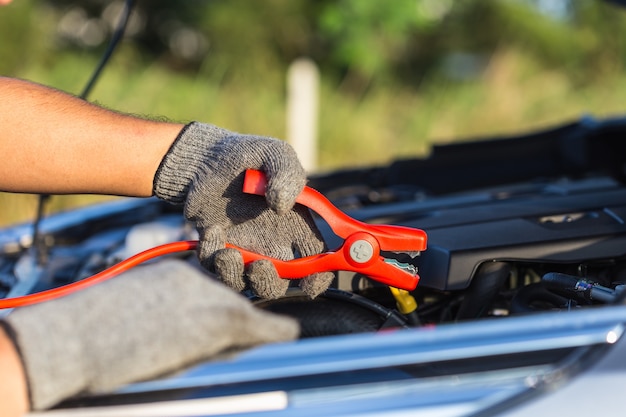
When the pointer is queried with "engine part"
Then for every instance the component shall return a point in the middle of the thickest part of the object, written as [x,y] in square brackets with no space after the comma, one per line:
[581,288]
[334,312]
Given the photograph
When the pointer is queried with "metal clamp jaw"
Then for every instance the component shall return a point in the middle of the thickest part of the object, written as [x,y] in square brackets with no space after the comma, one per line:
[361,249]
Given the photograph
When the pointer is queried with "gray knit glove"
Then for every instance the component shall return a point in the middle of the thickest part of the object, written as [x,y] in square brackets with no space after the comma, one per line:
[149,321]
[204,169]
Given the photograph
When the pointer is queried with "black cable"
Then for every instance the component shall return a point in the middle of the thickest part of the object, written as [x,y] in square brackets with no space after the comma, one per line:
[115,40]
[38,243]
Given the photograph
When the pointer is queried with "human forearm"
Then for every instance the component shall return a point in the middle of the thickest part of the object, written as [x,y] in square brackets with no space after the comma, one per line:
[13,391]
[52,142]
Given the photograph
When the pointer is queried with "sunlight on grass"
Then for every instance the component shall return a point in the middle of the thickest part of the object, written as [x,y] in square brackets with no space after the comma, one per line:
[22,208]
[510,97]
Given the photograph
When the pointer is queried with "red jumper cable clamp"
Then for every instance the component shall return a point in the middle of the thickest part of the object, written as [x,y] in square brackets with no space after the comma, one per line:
[361,249]
[360,252]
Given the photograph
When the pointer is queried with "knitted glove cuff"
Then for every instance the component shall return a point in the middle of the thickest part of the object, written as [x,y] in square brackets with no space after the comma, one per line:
[50,357]
[180,164]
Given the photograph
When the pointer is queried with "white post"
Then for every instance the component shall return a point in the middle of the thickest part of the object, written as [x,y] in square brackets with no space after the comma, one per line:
[302,111]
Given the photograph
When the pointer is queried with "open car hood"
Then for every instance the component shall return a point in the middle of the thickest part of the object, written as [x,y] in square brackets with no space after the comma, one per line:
[495,336]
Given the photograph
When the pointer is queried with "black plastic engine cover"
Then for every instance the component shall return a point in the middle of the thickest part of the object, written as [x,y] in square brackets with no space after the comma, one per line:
[543,197]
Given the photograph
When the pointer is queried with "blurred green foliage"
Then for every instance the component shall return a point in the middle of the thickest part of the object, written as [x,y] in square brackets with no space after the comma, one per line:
[19,33]
[397,76]
[370,37]
[358,43]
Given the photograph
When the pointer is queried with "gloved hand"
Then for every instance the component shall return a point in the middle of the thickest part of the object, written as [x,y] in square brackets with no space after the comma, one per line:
[204,169]
[151,320]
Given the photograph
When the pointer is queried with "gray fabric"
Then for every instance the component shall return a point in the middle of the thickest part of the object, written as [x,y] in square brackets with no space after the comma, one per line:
[205,169]
[149,321]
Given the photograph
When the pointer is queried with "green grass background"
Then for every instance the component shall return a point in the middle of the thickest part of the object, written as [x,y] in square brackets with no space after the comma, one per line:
[513,95]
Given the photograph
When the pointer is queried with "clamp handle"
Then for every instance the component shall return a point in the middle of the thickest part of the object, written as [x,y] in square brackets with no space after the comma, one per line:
[389,237]
[360,251]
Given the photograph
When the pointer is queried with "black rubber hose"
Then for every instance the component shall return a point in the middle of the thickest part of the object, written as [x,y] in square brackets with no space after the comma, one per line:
[536,297]
[485,286]
[563,282]
[578,287]
[333,313]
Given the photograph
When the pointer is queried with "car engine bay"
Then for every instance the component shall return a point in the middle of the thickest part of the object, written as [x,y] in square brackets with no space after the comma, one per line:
[515,225]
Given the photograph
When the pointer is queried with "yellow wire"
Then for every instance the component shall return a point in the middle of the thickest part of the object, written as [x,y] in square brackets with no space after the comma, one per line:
[404,300]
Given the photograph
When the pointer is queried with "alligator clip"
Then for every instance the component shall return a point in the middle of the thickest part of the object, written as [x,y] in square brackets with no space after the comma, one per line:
[360,251]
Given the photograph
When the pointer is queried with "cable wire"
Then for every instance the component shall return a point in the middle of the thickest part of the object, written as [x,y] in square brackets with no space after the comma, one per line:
[125,265]
[115,40]
[38,243]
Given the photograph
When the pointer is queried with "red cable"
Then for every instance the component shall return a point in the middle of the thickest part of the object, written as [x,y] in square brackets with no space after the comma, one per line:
[108,273]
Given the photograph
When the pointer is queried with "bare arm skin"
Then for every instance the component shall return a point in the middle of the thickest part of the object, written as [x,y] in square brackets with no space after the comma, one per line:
[13,391]
[54,143]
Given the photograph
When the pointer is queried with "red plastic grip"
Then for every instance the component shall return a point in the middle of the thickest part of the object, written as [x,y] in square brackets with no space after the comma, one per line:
[389,237]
